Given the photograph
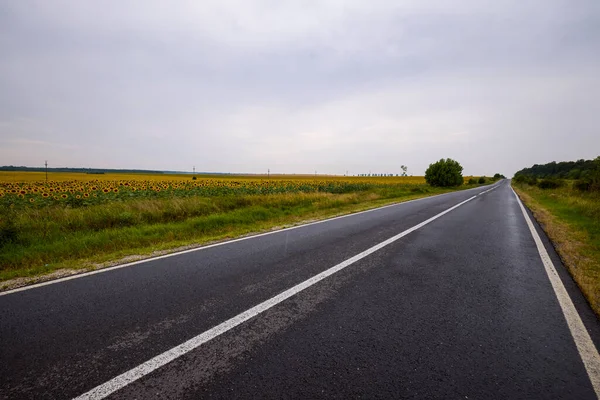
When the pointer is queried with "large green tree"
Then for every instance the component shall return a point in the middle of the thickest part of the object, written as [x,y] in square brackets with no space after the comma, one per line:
[444,173]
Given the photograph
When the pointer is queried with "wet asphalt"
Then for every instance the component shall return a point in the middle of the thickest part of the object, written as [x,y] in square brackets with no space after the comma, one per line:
[460,308]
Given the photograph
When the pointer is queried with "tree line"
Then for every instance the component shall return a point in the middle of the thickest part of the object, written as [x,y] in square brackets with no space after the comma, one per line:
[561,170]
[585,174]
[77,170]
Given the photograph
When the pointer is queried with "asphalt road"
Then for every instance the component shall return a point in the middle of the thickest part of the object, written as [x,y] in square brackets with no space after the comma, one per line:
[461,307]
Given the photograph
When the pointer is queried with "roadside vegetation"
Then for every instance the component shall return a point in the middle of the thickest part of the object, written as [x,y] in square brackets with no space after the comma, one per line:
[82,221]
[568,210]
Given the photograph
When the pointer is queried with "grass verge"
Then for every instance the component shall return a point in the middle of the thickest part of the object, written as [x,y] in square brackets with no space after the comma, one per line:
[58,241]
[571,219]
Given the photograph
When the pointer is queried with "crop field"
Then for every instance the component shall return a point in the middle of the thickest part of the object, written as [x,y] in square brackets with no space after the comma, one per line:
[16,176]
[78,221]
[75,190]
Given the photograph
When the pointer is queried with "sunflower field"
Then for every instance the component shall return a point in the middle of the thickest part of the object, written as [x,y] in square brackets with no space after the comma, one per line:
[79,193]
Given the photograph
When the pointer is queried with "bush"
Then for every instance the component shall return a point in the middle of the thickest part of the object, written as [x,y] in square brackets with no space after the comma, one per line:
[574,174]
[519,178]
[587,184]
[528,179]
[549,184]
[481,180]
[444,173]
[8,229]
[584,185]
[472,181]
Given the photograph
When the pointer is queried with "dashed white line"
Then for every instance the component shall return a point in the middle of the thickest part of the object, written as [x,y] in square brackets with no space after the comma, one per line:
[489,190]
[119,382]
[587,351]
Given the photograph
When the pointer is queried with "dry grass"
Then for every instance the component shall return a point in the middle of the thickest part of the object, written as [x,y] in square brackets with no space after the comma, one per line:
[568,220]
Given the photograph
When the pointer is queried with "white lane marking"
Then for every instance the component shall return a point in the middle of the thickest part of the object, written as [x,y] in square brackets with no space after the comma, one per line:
[489,190]
[99,271]
[104,390]
[587,351]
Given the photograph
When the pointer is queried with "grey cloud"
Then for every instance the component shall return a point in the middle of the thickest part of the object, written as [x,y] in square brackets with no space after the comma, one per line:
[298,86]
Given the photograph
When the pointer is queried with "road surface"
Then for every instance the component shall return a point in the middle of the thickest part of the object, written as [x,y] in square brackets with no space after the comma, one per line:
[444,297]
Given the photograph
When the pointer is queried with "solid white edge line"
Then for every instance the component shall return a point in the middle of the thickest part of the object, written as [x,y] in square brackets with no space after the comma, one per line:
[199,248]
[120,381]
[585,346]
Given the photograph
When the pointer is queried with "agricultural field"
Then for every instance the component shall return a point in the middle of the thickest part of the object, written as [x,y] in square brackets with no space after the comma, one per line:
[78,221]
[17,177]
[78,190]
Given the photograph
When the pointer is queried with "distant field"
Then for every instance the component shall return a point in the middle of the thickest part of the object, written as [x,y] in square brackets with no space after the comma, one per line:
[86,221]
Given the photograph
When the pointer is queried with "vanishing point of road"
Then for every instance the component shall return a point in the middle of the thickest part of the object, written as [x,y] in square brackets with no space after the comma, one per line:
[457,296]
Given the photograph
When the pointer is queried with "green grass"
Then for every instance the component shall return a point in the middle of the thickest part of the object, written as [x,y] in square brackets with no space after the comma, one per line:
[572,221]
[83,238]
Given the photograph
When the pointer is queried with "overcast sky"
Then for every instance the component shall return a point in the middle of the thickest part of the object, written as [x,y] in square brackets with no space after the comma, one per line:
[299,86]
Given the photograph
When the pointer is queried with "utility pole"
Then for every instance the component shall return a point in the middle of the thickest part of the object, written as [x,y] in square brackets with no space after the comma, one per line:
[46,164]
[269,173]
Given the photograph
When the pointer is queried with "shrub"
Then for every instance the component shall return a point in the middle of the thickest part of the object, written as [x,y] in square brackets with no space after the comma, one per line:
[8,234]
[528,179]
[587,184]
[444,173]
[8,229]
[519,178]
[549,184]
[584,185]
[574,174]
[472,181]
[481,180]
[531,180]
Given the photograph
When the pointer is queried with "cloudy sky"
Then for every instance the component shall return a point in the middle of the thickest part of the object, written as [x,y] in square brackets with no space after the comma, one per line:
[299,86]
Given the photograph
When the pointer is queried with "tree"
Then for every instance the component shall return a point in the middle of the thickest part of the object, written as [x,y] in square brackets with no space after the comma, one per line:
[561,170]
[404,168]
[590,180]
[444,173]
